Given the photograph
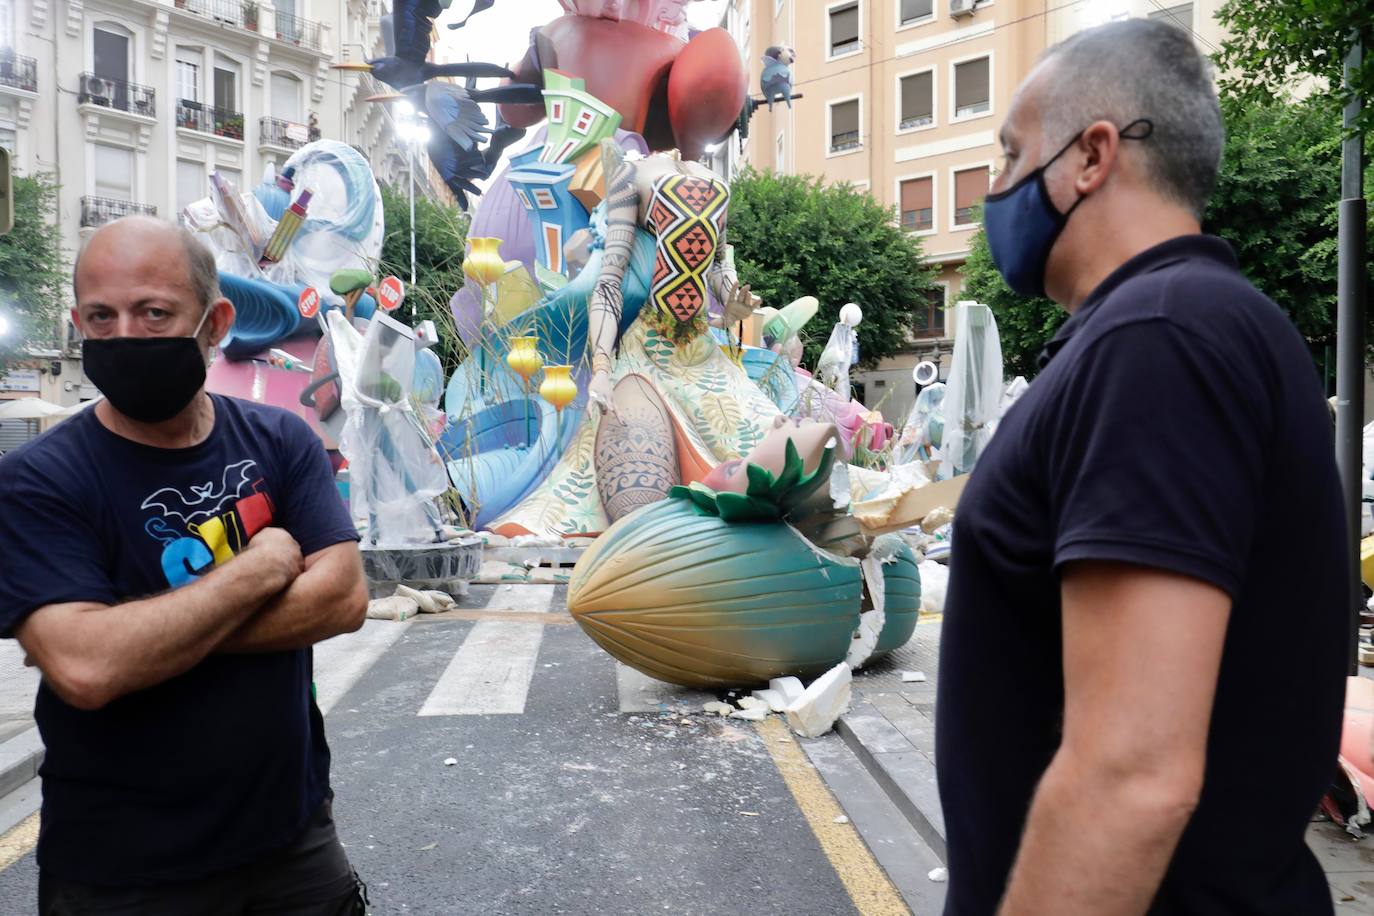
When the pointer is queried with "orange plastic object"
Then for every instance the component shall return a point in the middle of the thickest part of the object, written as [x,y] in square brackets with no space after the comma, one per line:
[706,91]
[1357,732]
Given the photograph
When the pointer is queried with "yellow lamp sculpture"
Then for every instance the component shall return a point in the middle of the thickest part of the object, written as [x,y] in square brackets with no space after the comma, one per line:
[558,389]
[484,264]
[524,360]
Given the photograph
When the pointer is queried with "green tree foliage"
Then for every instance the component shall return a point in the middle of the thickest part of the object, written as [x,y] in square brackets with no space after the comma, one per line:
[1023,324]
[1273,43]
[793,238]
[440,237]
[33,270]
[1275,202]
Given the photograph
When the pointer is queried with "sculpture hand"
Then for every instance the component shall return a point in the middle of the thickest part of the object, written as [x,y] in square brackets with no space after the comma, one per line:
[740,305]
[601,395]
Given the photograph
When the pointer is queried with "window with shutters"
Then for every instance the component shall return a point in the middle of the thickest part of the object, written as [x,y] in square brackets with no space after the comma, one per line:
[844,126]
[191,182]
[916,94]
[844,29]
[114,172]
[286,97]
[910,12]
[930,320]
[7,24]
[916,205]
[188,74]
[1180,16]
[226,85]
[970,187]
[972,87]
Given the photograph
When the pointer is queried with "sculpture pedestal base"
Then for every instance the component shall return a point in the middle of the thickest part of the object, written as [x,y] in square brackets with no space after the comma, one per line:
[446,567]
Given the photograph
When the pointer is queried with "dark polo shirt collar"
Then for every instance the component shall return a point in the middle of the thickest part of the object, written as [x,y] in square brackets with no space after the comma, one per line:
[1182,248]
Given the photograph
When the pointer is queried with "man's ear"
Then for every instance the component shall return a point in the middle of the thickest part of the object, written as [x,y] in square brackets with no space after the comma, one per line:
[1098,145]
[221,319]
[76,321]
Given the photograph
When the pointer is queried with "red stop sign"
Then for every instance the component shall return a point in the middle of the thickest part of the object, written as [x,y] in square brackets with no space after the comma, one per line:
[309,302]
[390,293]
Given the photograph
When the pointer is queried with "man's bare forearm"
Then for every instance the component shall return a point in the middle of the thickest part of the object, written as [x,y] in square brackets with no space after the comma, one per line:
[328,599]
[92,655]
[1097,842]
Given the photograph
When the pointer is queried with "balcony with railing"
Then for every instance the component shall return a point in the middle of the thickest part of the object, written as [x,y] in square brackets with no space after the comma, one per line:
[97,211]
[248,15]
[18,71]
[298,31]
[220,122]
[119,95]
[283,134]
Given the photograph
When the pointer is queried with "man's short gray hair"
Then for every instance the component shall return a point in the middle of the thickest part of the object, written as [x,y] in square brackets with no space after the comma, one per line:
[1133,69]
[200,264]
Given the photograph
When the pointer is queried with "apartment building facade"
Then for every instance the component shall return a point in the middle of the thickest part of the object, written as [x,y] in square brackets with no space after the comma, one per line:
[904,98]
[129,105]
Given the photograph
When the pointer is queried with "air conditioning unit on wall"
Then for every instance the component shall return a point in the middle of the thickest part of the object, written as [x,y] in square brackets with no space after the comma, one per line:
[961,8]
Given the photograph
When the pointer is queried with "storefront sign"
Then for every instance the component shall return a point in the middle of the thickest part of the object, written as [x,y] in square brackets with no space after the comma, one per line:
[20,380]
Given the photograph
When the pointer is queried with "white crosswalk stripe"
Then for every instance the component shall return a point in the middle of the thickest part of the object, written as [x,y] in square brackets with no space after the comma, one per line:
[641,693]
[341,661]
[491,672]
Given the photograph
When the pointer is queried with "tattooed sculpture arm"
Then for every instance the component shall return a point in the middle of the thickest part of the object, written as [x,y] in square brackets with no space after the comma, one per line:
[607,302]
[737,301]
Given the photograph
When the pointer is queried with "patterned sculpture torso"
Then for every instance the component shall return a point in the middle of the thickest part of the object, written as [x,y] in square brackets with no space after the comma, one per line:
[687,217]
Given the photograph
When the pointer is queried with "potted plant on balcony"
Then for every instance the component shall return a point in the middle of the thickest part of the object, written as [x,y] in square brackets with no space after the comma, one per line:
[250,15]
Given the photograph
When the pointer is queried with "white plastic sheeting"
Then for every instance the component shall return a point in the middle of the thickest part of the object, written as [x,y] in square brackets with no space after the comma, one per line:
[395,473]
[974,391]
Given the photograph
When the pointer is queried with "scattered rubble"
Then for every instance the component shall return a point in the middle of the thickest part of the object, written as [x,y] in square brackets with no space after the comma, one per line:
[913,677]
[938,875]
[719,708]
[815,711]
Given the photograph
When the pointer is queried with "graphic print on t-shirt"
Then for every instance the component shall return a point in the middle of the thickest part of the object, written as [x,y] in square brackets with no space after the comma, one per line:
[207,524]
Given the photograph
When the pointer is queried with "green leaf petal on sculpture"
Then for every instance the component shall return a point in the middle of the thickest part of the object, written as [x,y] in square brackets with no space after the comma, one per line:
[767,499]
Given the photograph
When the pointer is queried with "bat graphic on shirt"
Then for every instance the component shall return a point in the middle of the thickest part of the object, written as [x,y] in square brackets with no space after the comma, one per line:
[205,500]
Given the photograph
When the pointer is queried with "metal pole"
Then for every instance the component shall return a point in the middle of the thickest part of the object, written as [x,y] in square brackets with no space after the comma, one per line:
[1350,322]
[410,145]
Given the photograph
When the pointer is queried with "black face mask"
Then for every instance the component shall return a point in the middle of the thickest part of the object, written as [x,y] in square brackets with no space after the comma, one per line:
[148,379]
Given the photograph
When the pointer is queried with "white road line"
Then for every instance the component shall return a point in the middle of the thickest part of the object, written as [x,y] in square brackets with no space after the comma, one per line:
[641,693]
[341,661]
[522,598]
[490,674]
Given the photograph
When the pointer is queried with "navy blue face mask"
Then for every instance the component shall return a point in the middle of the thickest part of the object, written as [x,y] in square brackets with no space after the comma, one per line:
[1022,223]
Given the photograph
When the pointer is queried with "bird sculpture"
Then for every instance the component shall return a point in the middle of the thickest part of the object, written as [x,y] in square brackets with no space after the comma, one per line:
[455,147]
[776,79]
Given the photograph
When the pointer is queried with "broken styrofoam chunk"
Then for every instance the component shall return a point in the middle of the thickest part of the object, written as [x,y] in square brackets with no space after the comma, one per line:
[938,875]
[450,761]
[913,677]
[753,714]
[815,711]
[717,707]
[842,819]
[751,702]
[789,687]
[934,582]
[775,700]
[393,608]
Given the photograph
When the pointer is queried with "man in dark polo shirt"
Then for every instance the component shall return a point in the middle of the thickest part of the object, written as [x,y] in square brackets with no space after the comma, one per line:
[167,558]
[1143,654]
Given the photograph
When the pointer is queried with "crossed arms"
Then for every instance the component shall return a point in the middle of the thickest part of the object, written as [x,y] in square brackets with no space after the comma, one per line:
[269,598]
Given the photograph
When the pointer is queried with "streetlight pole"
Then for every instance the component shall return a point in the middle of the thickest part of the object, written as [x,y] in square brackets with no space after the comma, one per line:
[410,145]
[1351,279]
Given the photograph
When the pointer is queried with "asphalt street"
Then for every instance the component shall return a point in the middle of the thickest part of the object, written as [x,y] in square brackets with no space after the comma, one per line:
[495,760]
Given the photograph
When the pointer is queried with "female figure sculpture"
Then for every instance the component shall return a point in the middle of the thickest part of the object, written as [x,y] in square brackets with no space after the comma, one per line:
[668,405]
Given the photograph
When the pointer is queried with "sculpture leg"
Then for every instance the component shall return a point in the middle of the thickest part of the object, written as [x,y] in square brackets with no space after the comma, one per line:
[636,453]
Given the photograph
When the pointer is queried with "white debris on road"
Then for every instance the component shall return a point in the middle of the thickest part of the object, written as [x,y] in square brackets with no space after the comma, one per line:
[815,711]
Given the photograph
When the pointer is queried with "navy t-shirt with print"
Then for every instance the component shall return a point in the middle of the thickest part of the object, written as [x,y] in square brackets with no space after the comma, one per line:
[1178,425]
[219,766]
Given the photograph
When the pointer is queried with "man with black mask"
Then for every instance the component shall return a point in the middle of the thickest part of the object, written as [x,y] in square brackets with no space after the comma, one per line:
[1140,683]
[169,558]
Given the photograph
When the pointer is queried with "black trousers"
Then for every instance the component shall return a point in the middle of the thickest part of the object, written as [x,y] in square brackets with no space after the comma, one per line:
[312,877]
